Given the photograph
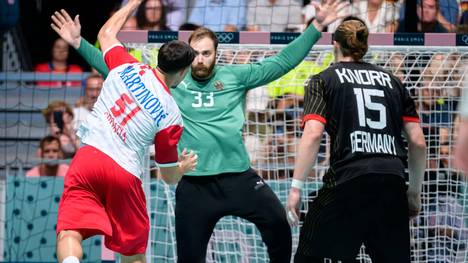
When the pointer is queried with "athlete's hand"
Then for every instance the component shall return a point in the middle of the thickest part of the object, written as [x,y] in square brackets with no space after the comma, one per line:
[187,161]
[414,203]
[328,12]
[292,207]
[67,28]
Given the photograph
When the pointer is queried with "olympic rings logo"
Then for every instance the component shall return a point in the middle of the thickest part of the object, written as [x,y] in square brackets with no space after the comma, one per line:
[464,39]
[225,37]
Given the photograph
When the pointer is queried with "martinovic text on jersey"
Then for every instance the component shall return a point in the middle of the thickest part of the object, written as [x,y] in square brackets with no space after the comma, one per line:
[133,111]
[363,108]
[143,95]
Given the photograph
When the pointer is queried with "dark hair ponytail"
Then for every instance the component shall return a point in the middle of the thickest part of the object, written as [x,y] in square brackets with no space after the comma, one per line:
[352,36]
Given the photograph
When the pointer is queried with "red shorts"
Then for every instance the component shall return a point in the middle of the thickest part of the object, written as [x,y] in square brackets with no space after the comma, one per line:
[102,198]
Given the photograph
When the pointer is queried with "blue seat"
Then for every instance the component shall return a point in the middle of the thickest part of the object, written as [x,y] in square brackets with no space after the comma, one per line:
[30,97]
[22,124]
[18,153]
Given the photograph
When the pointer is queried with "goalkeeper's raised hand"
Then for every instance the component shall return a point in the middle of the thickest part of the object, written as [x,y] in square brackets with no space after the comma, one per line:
[67,28]
[328,12]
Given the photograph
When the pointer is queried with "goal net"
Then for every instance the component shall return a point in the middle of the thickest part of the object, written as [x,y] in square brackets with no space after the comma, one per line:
[434,77]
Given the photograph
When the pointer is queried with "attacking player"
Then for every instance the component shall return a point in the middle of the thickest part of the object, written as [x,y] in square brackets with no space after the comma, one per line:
[212,100]
[103,192]
[364,199]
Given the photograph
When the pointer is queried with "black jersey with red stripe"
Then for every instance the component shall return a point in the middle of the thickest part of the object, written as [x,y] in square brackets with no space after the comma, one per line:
[363,108]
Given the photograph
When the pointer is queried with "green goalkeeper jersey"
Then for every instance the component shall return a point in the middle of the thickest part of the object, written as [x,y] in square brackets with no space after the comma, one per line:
[213,110]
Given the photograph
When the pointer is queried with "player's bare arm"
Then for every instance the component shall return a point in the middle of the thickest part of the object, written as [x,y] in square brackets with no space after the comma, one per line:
[187,162]
[306,154]
[108,34]
[327,12]
[416,165]
[461,149]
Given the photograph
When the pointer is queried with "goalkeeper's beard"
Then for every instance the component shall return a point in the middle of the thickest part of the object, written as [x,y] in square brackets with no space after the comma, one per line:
[201,71]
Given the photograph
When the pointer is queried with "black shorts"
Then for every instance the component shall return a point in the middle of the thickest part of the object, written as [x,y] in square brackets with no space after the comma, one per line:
[371,209]
[201,201]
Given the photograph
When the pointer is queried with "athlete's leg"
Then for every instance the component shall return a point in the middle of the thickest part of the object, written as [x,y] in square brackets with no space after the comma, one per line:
[390,239]
[196,214]
[332,230]
[69,244]
[256,202]
[80,213]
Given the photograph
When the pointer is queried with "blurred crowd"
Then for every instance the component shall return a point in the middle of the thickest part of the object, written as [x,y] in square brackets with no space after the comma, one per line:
[294,15]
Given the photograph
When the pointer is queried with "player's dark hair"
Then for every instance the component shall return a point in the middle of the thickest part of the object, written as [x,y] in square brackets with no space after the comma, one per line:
[203,32]
[352,36]
[174,56]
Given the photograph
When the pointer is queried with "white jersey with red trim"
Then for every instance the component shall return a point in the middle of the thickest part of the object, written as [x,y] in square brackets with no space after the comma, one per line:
[134,110]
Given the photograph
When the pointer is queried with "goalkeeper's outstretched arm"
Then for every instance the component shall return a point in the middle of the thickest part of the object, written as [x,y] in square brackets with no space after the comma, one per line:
[272,68]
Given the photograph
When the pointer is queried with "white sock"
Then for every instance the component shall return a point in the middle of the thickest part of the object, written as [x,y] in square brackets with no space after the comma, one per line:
[71,259]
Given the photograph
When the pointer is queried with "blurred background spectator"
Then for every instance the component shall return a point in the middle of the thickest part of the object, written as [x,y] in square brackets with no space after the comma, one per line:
[430,18]
[219,15]
[151,15]
[59,117]
[50,152]
[379,15]
[175,12]
[9,14]
[58,64]
[84,104]
[274,15]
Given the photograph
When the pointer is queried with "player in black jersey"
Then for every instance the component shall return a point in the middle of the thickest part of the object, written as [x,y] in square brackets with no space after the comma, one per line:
[364,198]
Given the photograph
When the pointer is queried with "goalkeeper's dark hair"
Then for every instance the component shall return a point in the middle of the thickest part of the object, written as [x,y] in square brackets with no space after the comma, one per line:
[174,56]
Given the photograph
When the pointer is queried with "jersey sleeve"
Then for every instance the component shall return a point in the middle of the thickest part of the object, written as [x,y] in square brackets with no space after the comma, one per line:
[314,101]
[116,55]
[165,143]
[409,108]
[261,73]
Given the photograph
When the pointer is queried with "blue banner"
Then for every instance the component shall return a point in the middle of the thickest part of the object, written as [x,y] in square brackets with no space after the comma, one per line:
[282,38]
[162,36]
[408,39]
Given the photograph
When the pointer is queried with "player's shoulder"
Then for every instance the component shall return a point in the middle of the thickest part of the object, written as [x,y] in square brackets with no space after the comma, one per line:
[173,115]
[331,69]
[129,69]
[314,81]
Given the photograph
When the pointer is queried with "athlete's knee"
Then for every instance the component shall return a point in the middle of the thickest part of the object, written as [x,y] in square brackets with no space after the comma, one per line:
[69,234]
[138,258]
